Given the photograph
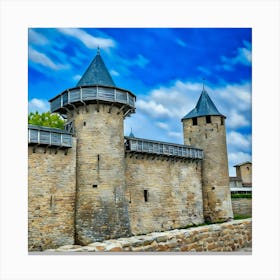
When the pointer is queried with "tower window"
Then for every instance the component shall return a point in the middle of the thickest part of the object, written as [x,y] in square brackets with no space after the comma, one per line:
[85,123]
[248,168]
[208,119]
[222,121]
[194,121]
[146,195]
[94,186]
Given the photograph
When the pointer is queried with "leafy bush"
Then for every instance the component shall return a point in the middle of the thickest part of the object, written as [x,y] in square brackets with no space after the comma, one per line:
[46,119]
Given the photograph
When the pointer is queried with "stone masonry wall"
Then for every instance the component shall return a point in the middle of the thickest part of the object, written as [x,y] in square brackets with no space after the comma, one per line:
[242,206]
[225,237]
[211,137]
[173,192]
[51,197]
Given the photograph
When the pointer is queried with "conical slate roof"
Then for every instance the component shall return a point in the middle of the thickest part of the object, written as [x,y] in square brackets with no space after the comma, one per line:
[96,74]
[131,134]
[204,107]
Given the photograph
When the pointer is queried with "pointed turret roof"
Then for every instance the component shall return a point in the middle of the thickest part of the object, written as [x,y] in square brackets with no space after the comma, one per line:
[96,74]
[204,107]
[131,134]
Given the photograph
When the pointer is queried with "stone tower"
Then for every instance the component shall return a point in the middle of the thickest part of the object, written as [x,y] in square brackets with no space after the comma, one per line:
[204,127]
[95,110]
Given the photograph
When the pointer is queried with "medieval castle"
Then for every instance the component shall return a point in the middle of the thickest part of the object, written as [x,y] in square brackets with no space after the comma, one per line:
[90,183]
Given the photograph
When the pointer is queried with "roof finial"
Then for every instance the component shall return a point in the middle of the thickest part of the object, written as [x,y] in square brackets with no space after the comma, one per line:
[203,84]
[131,133]
[98,50]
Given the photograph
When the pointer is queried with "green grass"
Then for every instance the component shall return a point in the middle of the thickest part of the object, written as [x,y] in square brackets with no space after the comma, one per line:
[241,217]
[241,195]
[206,223]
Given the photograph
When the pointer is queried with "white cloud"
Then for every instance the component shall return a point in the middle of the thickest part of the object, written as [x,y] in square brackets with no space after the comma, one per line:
[88,40]
[43,60]
[204,70]
[174,134]
[236,120]
[37,38]
[77,78]
[114,73]
[239,157]
[238,140]
[141,61]
[162,125]
[153,109]
[243,56]
[180,42]
[172,101]
[234,97]
[40,105]
[176,100]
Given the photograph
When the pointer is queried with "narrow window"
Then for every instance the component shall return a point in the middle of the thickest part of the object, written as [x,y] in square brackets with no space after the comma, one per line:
[98,162]
[194,121]
[146,195]
[222,121]
[208,119]
[248,168]
[206,135]
[94,186]
[85,123]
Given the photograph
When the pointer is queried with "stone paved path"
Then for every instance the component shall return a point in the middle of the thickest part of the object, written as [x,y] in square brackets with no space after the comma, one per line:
[246,249]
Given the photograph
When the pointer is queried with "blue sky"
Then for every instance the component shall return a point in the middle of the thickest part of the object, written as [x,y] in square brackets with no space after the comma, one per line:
[163,67]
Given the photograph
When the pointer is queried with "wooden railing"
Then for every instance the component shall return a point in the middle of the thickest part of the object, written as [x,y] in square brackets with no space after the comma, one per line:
[162,148]
[49,136]
[83,95]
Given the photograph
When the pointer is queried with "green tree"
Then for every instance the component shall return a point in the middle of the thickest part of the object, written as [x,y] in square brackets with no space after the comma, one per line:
[46,119]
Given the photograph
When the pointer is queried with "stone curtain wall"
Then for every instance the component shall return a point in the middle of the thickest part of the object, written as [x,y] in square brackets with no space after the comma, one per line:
[163,193]
[225,237]
[51,197]
[242,206]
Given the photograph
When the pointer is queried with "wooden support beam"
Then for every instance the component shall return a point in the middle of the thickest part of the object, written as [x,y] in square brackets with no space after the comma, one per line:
[56,150]
[75,108]
[68,111]
[46,148]
[111,107]
[132,154]
[120,109]
[85,105]
[34,148]
[126,113]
